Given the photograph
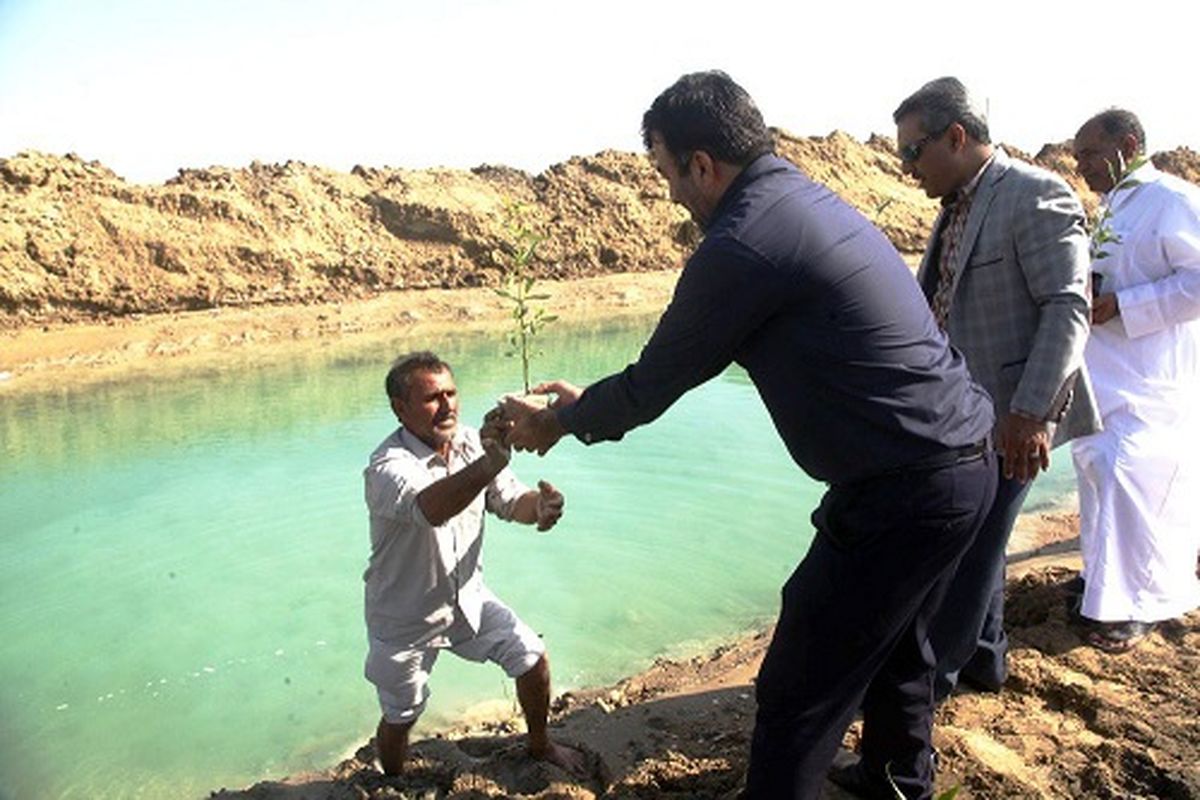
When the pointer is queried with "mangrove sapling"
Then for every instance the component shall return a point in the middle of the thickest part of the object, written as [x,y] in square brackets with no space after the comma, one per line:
[517,287]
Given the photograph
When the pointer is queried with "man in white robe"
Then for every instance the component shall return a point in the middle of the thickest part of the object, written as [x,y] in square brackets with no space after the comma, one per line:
[1138,491]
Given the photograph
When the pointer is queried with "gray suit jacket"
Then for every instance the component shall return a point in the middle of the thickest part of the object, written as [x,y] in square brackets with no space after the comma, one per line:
[1021,310]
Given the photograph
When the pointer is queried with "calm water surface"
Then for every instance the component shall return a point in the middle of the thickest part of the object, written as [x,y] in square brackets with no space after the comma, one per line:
[181,559]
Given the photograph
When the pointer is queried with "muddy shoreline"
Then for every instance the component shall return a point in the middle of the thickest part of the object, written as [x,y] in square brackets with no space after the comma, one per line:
[52,356]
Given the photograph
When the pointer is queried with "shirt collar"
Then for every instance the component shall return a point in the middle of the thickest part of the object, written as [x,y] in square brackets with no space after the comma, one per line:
[423,451]
[965,191]
[1146,173]
[767,162]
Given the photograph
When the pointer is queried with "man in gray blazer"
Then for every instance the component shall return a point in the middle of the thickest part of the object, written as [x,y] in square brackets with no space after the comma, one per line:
[1006,272]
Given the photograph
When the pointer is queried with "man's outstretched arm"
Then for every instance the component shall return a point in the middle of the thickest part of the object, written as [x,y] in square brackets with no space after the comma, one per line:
[446,498]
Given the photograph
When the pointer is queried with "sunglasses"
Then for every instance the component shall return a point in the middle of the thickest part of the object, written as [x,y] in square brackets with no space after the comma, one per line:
[912,151]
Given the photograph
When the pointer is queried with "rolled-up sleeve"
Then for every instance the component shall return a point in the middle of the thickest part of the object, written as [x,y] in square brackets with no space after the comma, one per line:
[503,493]
[391,490]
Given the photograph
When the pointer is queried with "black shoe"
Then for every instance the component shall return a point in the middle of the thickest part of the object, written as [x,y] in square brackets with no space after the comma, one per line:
[981,685]
[849,773]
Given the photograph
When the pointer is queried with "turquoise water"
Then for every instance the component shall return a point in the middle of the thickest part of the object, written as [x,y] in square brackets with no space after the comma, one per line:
[181,559]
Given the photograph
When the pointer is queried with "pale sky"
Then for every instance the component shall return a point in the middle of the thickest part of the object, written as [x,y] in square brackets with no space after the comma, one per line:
[149,86]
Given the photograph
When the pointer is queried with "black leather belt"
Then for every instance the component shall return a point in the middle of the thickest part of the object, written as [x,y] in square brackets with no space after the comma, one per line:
[939,460]
[946,458]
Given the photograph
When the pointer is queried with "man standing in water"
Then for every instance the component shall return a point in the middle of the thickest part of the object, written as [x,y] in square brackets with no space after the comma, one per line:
[808,296]
[427,487]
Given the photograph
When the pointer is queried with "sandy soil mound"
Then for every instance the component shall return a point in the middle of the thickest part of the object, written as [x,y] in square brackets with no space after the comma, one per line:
[1182,161]
[77,242]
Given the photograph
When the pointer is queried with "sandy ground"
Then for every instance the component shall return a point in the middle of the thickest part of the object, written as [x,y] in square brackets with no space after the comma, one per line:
[1071,722]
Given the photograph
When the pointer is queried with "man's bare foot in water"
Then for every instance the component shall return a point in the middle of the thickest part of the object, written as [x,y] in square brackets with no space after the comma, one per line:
[568,758]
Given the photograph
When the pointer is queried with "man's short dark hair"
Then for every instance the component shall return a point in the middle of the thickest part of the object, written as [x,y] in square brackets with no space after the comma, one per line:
[399,377]
[708,111]
[1118,123]
[941,103]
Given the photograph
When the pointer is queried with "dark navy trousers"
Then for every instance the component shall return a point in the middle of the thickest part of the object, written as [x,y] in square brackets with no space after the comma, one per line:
[853,629]
[968,633]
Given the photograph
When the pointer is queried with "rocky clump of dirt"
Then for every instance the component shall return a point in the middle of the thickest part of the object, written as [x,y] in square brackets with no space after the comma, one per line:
[1182,161]
[1073,721]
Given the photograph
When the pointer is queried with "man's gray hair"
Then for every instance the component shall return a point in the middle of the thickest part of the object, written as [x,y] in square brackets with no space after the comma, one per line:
[941,103]
[399,377]
[1118,123]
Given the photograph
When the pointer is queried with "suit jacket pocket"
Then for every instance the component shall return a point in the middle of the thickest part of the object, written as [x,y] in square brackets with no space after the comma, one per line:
[978,260]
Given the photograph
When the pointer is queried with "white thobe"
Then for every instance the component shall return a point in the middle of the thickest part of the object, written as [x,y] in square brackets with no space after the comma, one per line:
[1139,498]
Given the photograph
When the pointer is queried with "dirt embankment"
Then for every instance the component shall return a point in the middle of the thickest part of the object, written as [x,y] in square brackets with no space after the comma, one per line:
[78,243]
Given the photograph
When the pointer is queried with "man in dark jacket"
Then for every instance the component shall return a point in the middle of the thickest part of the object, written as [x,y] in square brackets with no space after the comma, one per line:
[802,291]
